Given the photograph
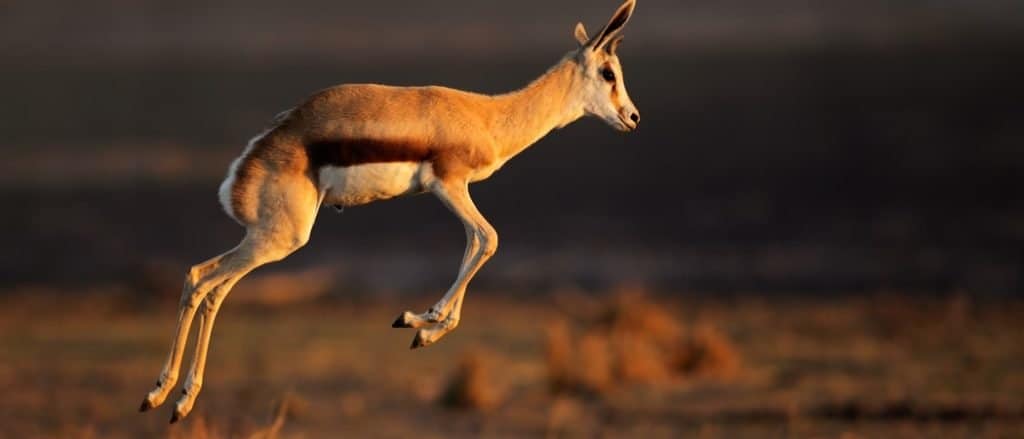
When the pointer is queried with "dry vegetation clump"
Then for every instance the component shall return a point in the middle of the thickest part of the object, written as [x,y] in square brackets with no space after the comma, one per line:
[707,352]
[196,429]
[593,351]
[558,354]
[639,359]
[630,339]
[290,406]
[633,313]
[472,386]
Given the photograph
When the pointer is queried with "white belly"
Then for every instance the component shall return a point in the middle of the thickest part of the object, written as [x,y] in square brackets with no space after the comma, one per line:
[361,184]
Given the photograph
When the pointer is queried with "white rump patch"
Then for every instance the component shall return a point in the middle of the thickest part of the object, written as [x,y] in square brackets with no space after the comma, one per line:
[361,184]
[224,193]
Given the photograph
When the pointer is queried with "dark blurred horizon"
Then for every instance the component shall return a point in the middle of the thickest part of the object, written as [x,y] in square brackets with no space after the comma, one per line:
[842,146]
[123,30]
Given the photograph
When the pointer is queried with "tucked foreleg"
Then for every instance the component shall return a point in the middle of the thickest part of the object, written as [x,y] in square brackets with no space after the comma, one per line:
[481,244]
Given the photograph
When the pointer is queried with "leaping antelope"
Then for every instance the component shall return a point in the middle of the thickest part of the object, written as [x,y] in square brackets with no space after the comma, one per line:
[354,144]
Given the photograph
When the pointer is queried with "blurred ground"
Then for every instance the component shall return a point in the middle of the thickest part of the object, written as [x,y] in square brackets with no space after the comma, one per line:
[876,366]
[825,196]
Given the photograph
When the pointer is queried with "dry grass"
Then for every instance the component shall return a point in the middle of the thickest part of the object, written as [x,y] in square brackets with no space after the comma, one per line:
[707,352]
[875,367]
[290,406]
[558,354]
[630,339]
[197,429]
[472,385]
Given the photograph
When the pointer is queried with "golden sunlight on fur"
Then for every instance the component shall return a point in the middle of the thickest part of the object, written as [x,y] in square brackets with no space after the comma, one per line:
[354,144]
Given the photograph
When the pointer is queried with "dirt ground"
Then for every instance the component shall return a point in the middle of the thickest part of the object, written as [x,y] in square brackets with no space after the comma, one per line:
[883,366]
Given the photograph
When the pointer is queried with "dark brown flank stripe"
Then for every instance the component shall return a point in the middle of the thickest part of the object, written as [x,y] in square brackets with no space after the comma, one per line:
[351,152]
[276,153]
[446,159]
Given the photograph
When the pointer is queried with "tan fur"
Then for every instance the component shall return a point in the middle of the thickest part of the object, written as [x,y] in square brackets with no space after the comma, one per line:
[449,139]
[463,135]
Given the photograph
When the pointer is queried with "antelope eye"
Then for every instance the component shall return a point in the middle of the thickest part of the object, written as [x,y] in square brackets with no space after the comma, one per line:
[608,74]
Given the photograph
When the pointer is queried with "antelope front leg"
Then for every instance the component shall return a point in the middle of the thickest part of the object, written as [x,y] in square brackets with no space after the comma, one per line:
[427,336]
[481,244]
[437,313]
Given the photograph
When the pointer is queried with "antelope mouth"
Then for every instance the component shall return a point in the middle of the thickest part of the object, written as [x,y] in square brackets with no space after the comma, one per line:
[626,125]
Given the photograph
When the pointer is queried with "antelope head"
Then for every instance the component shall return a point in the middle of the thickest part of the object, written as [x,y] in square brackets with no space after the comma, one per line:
[603,88]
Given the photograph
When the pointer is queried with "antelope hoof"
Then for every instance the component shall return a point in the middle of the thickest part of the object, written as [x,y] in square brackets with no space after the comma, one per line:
[404,321]
[419,341]
[184,406]
[146,405]
[415,321]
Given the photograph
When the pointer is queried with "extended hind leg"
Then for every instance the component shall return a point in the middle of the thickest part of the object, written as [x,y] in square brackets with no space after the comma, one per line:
[288,208]
[252,253]
[198,283]
[285,222]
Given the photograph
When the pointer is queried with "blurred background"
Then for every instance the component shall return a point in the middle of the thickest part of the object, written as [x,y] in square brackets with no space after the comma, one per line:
[831,188]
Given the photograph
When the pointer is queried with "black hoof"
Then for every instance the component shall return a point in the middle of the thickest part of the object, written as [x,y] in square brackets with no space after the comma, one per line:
[400,322]
[145,405]
[175,417]
[417,342]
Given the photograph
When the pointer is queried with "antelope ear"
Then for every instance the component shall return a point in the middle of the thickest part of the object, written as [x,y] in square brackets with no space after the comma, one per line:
[614,25]
[613,45]
[581,34]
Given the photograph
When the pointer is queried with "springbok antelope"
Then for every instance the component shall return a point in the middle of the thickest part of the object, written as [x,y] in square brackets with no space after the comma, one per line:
[354,144]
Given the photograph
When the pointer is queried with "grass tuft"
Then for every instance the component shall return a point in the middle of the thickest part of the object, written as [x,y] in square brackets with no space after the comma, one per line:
[632,340]
[472,385]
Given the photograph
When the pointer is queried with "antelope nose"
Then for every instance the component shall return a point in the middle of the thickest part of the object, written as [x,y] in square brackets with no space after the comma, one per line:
[635,117]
